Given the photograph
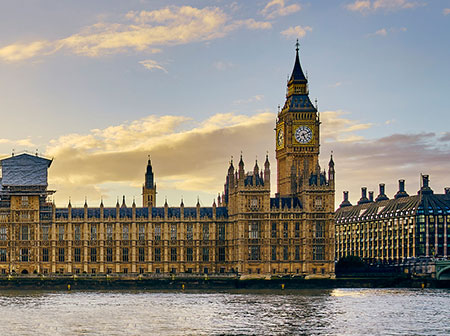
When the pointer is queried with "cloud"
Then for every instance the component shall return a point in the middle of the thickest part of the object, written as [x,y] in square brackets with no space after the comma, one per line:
[368,162]
[297,31]
[193,157]
[139,31]
[386,31]
[152,65]
[254,25]
[222,66]
[337,128]
[360,6]
[21,51]
[187,156]
[117,154]
[366,6]
[26,143]
[276,8]
[381,32]
[446,11]
[253,99]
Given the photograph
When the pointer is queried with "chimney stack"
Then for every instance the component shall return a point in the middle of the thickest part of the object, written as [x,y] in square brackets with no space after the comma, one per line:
[345,202]
[401,190]
[425,189]
[363,198]
[382,196]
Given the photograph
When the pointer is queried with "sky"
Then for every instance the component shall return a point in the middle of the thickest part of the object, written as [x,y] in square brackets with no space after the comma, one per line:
[100,85]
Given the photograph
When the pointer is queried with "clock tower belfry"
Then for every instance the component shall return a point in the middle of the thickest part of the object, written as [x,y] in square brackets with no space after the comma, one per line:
[297,135]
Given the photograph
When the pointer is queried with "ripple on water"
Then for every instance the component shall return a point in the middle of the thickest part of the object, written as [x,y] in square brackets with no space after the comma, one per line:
[311,312]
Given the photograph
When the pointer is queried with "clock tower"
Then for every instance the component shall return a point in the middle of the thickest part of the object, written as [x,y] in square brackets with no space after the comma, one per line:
[297,135]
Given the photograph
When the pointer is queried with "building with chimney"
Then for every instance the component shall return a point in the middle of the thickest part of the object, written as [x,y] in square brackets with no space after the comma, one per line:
[246,232]
[392,230]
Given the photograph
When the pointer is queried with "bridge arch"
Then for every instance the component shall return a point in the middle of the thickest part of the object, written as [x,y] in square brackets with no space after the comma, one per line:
[444,273]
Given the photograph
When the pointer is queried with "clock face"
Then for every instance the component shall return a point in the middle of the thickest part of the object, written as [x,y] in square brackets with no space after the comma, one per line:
[303,134]
[280,138]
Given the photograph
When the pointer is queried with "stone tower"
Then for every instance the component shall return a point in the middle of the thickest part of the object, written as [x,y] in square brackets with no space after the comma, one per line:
[149,188]
[299,174]
[297,135]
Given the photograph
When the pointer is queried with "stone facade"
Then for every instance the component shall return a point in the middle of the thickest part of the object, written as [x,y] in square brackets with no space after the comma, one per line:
[246,232]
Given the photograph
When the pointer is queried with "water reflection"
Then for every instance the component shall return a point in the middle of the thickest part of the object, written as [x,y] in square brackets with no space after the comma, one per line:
[309,312]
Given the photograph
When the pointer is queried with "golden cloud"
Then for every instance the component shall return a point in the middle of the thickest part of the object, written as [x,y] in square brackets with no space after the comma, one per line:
[297,31]
[365,6]
[186,155]
[142,31]
[275,8]
[21,51]
[193,157]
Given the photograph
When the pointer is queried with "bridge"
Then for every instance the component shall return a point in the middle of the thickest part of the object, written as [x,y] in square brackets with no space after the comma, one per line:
[442,269]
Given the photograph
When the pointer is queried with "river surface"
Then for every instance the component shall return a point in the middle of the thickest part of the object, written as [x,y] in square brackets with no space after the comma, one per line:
[300,312]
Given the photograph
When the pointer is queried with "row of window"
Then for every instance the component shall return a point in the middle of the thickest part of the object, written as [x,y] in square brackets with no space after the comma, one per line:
[45,229]
[254,254]
[254,231]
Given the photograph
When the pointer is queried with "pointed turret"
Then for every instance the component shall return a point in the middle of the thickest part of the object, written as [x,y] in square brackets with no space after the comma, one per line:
[256,169]
[149,175]
[231,167]
[241,168]
[123,202]
[267,171]
[331,172]
[149,187]
[297,73]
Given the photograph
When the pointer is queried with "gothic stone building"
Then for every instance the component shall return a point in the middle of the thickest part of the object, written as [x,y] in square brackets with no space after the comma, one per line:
[245,232]
[384,229]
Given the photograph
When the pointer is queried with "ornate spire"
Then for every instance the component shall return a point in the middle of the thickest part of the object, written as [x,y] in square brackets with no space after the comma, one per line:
[231,168]
[149,177]
[331,163]
[297,73]
[241,163]
[256,168]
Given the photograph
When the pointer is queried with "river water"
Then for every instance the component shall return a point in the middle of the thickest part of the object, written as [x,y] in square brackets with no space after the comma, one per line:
[300,312]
